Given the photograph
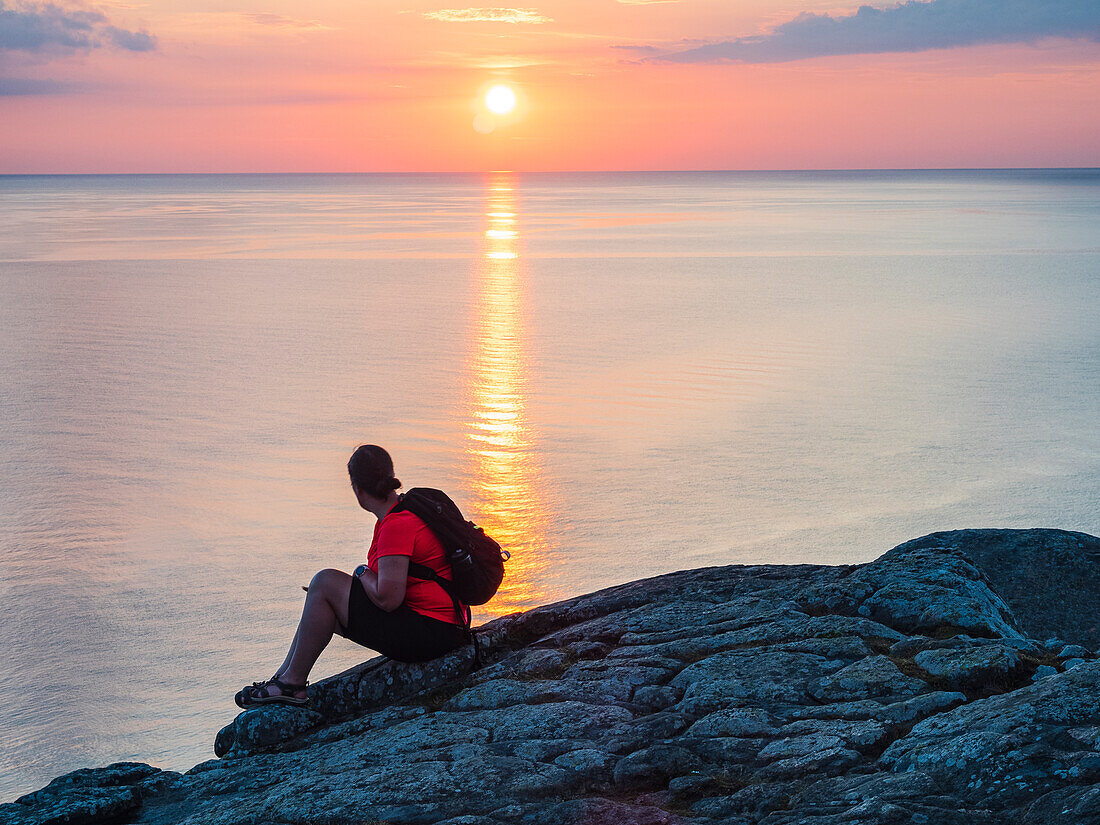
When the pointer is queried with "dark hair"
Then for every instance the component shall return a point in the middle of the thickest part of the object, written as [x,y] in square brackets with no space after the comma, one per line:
[371,470]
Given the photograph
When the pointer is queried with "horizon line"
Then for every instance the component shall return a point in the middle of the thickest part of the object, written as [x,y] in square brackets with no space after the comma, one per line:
[569,171]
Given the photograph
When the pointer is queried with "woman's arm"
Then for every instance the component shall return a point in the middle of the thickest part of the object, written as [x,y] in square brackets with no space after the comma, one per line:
[386,588]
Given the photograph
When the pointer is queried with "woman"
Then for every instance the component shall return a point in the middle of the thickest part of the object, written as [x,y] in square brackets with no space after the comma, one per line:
[380,607]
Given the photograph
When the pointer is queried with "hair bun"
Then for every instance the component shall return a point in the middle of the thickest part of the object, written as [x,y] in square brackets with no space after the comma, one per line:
[371,470]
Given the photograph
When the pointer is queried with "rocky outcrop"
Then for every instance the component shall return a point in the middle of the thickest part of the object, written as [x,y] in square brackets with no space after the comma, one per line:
[904,690]
[1047,577]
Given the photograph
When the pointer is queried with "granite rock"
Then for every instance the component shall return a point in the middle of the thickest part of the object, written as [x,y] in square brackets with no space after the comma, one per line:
[964,667]
[1047,577]
[871,677]
[906,690]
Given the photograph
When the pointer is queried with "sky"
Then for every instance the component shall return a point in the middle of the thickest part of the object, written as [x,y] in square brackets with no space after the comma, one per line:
[398,85]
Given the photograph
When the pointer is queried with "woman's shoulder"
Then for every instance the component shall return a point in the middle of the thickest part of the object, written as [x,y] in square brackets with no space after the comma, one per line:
[401,520]
[401,524]
[402,517]
[398,533]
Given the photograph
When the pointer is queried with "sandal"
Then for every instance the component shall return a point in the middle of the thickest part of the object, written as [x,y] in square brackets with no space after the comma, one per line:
[258,694]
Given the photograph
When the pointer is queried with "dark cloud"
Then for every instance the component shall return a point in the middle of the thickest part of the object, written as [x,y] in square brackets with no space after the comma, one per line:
[131,41]
[909,27]
[20,86]
[50,28]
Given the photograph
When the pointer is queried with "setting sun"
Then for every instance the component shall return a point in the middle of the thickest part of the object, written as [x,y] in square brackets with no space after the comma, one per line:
[500,100]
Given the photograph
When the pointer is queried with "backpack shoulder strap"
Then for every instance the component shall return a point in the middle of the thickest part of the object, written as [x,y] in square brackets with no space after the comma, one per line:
[434,508]
[422,571]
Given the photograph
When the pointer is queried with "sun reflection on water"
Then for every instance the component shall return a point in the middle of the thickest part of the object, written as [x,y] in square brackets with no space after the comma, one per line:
[502,477]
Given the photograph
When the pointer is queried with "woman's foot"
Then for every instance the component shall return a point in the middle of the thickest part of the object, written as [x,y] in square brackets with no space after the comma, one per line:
[272,692]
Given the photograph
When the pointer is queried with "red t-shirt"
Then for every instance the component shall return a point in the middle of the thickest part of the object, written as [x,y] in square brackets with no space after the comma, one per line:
[403,534]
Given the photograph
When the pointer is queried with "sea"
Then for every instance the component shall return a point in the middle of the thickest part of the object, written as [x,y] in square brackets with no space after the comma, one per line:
[618,375]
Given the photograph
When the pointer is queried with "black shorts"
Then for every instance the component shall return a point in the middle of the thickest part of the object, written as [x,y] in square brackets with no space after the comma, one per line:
[402,634]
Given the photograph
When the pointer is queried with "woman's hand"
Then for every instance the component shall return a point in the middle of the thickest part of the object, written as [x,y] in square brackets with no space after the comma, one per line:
[386,588]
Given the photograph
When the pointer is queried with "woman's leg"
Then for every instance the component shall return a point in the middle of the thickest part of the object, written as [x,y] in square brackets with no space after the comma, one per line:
[290,655]
[325,609]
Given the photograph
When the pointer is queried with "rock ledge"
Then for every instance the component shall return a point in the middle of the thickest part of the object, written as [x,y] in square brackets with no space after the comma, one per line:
[952,681]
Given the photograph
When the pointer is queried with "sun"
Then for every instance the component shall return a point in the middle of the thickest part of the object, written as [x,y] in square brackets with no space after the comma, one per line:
[500,99]
[496,105]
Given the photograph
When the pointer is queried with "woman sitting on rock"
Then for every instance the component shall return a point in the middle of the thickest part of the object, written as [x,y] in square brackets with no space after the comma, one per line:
[379,607]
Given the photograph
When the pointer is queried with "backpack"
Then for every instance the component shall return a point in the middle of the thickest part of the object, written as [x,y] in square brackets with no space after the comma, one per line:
[477,562]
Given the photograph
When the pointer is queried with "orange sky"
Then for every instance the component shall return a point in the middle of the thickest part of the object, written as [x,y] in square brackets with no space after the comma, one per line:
[392,86]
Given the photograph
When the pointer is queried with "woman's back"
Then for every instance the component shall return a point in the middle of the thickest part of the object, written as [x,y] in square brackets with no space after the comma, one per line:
[404,534]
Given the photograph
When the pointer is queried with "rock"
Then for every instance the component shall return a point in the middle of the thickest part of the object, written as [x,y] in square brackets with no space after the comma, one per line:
[594,765]
[1008,749]
[810,758]
[911,797]
[1073,652]
[741,722]
[909,647]
[1070,805]
[572,720]
[654,766]
[858,735]
[497,693]
[900,691]
[875,676]
[88,795]
[656,697]
[852,790]
[540,664]
[749,678]
[77,807]
[934,592]
[354,692]
[544,750]
[1047,577]
[606,812]
[1042,671]
[1087,735]
[839,648]
[961,668]
[689,788]
[727,751]
[262,727]
[636,734]
[119,774]
[927,704]
[749,803]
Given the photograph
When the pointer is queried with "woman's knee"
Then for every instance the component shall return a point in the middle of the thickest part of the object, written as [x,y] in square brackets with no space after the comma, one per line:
[329,582]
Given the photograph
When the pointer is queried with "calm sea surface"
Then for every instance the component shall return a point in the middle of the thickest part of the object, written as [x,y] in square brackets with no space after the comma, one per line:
[620,375]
